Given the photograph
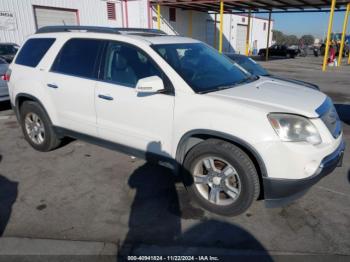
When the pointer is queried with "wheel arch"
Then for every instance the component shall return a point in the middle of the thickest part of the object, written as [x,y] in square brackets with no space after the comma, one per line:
[193,137]
[22,97]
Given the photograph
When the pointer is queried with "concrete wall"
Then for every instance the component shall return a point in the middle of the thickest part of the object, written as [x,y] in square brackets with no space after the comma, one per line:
[181,25]
[257,32]
[201,21]
[138,14]
[91,12]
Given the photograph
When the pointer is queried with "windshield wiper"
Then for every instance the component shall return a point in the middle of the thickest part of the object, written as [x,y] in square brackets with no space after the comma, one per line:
[219,88]
[246,80]
[223,87]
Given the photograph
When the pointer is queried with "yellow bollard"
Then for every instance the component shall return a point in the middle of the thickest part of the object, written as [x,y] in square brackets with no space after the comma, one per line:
[158,16]
[221,24]
[190,23]
[268,38]
[248,35]
[330,25]
[340,58]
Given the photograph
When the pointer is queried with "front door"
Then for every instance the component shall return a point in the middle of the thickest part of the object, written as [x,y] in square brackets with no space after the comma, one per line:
[142,122]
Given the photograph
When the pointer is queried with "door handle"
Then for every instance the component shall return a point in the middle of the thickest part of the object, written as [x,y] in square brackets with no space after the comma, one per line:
[52,86]
[105,97]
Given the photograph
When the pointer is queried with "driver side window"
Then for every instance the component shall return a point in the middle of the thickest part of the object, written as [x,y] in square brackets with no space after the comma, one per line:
[125,65]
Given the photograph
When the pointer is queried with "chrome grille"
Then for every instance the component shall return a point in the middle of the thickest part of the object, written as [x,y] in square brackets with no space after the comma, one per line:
[332,121]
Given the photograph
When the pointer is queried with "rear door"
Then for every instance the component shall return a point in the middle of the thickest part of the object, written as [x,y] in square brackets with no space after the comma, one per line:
[140,121]
[71,83]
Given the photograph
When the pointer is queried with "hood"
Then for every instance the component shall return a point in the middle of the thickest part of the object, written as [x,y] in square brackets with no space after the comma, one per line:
[282,96]
[295,81]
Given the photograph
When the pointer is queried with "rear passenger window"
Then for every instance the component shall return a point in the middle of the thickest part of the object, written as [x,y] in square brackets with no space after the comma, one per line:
[33,51]
[78,57]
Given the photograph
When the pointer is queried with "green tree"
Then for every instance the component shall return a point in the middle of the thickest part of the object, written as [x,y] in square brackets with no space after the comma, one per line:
[308,39]
[291,40]
[278,37]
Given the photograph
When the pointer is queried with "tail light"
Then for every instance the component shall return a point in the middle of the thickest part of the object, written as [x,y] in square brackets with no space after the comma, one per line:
[6,77]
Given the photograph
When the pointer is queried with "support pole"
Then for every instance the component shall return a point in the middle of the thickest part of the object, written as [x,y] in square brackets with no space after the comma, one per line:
[330,25]
[221,24]
[268,38]
[349,56]
[158,16]
[340,57]
[215,35]
[248,35]
[126,13]
[190,23]
[149,14]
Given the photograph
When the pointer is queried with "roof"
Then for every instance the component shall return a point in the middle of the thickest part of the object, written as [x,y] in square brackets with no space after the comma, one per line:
[168,39]
[145,35]
[98,29]
[256,6]
[8,43]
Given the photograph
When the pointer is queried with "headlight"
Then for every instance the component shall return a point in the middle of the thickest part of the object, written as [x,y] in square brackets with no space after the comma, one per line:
[293,128]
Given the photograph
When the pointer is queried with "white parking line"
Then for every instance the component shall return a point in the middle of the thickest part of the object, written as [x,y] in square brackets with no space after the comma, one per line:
[332,191]
[4,117]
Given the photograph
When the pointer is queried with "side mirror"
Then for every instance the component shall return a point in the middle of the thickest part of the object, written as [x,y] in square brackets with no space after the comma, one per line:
[152,84]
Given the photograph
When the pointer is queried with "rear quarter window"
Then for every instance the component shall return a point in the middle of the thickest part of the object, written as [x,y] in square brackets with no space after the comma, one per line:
[33,51]
[79,57]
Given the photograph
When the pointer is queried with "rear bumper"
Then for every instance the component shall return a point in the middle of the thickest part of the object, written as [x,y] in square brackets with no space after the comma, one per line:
[276,189]
[4,92]
[4,98]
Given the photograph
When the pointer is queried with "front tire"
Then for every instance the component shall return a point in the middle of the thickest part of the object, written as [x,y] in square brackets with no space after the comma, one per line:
[37,127]
[221,177]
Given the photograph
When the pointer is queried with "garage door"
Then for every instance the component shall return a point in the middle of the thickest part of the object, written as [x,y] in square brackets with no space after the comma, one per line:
[241,38]
[51,16]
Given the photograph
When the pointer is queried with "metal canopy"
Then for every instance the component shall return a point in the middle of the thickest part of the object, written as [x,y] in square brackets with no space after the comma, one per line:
[262,6]
[254,6]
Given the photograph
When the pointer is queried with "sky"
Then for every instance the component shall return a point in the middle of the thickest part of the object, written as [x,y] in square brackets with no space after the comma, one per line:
[307,23]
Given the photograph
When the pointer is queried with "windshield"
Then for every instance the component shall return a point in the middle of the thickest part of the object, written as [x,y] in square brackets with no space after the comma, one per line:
[249,64]
[202,67]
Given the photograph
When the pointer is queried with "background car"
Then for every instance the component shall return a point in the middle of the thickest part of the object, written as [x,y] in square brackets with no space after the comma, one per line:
[8,51]
[256,69]
[279,50]
[4,92]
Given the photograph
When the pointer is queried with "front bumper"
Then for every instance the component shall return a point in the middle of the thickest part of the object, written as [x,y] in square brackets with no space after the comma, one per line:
[278,189]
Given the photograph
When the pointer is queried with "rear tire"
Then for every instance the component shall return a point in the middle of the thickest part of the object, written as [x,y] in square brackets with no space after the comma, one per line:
[37,127]
[221,177]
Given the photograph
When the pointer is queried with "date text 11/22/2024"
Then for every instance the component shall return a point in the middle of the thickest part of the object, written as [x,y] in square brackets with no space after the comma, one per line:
[173,258]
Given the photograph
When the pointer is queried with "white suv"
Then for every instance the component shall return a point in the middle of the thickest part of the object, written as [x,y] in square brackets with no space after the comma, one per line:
[234,137]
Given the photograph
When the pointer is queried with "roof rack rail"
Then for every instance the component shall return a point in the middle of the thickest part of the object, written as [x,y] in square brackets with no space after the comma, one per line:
[69,28]
[98,29]
[131,30]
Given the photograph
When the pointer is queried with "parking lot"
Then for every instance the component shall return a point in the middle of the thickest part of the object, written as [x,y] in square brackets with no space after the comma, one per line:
[88,193]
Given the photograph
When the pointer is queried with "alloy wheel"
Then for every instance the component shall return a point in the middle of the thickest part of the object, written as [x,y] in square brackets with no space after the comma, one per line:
[217,181]
[34,128]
